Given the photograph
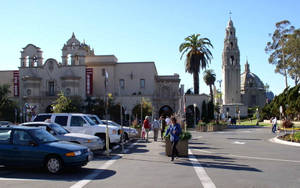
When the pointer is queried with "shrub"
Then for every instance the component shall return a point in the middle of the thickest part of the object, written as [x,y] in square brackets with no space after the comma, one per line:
[185,135]
[287,124]
[297,137]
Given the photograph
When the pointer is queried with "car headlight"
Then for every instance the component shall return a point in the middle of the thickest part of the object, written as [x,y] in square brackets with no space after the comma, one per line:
[73,154]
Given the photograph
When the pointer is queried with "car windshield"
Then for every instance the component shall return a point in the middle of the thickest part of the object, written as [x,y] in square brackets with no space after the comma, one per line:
[58,129]
[113,123]
[91,122]
[42,136]
[96,120]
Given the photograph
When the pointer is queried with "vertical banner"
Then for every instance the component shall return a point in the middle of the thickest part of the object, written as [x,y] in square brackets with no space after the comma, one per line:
[89,81]
[16,83]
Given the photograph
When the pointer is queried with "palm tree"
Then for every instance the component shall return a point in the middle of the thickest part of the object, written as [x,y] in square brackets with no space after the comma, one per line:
[198,56]
[210,78]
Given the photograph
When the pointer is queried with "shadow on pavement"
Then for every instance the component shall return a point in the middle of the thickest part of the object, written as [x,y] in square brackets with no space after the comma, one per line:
[69,174]
[138,148]
[219,162]
[195,147]
[244,139]
[227,166]
[103,157]
[243,127]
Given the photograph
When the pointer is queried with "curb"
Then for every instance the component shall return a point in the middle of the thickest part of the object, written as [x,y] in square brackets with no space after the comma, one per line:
[279,141]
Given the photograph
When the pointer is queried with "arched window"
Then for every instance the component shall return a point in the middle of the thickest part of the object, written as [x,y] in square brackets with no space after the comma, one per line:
[122,83]
[69,59]
[26,61]
[231,45]
[232,60]
[34,61]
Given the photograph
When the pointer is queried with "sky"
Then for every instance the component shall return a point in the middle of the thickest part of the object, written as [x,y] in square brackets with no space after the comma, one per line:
[146,30]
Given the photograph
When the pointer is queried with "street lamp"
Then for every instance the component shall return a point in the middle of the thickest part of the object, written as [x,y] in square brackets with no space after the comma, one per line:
[195,106]
[239,116]
[257,116]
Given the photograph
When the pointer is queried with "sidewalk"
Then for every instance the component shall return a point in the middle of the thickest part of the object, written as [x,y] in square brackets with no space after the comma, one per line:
[146,165]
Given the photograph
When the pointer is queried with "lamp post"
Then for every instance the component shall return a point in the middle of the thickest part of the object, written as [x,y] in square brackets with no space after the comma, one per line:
[195,106]
[257,116]
[239,116]
[122,130]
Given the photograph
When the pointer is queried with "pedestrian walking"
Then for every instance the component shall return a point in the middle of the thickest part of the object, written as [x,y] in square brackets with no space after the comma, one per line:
[143,133]
[174,130]
[274,124]
[147,127]
[163,125]
[168,121]
[155,126]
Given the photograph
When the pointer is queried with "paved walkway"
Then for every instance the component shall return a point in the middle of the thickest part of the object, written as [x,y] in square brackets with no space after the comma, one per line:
[145,165]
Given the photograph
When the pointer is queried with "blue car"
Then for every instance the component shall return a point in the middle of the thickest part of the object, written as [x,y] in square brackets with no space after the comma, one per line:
[35,147]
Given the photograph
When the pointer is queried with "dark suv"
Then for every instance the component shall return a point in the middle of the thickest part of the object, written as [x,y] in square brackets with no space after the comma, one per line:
[35,147]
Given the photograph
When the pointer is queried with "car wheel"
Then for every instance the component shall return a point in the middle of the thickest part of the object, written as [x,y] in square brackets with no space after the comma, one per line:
[54,165]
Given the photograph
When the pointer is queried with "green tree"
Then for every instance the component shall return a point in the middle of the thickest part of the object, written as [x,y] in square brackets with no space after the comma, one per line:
[64,104]
[146,109]
[198,56]
[210,78]
[277,49]
[204,115]
[7,106]
[292,49]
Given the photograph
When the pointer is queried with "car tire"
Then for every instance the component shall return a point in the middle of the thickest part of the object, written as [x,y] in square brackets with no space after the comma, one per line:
[53,164]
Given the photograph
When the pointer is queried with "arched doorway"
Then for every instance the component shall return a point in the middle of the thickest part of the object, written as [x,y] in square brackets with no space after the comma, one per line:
[165,111]
[190,115]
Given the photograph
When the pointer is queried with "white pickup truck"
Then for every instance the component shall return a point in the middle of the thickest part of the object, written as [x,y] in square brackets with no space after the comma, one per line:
[81,123]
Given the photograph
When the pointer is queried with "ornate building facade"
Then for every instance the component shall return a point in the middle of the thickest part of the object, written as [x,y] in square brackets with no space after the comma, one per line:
[82,74]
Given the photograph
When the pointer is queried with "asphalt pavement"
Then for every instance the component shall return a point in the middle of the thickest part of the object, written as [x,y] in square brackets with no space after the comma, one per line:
[231,158]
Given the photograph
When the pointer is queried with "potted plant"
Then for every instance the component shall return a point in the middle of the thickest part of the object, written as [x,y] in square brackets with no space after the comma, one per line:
[182,146]
[201,126]
[138,127]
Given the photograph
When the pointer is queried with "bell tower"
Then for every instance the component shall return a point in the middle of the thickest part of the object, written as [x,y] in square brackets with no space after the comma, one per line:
[231,67]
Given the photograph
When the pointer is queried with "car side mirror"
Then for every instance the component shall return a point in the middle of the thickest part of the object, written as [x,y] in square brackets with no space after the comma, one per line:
[32,143]
[85,124]
[52,132]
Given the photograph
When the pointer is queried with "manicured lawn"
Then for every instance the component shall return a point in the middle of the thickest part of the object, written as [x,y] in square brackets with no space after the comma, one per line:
[253,122]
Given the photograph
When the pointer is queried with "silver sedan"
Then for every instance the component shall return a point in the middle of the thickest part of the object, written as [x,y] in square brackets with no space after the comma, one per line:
[92,142]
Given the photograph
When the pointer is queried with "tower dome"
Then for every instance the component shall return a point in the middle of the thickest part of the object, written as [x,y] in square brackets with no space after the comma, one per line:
[250,80]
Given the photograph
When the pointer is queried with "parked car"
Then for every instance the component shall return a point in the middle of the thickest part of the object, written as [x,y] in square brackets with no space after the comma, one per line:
[81,123]
[92,142]
[35,147]
[128,132]
[5,123]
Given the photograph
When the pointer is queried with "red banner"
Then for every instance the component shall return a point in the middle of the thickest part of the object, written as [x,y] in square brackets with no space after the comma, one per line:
[16,83]
[89,81]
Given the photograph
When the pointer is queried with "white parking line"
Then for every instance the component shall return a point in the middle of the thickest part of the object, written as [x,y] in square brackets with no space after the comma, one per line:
[239,142]
[202,175]
[19,179]
[249,157]
[87,179]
